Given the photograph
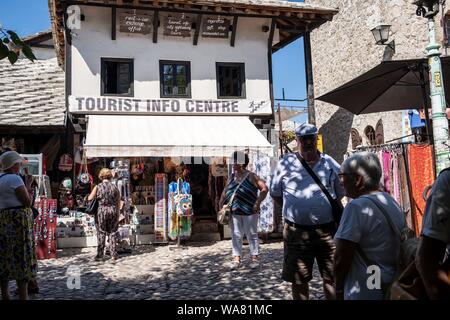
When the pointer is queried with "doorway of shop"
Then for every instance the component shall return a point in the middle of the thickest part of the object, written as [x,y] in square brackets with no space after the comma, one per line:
[205,225]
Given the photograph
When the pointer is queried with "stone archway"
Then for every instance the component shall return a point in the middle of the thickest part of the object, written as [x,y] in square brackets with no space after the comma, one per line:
[356,138]
[370,134]
[379,132]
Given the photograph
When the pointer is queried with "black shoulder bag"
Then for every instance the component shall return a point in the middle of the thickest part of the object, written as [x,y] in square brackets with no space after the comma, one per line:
[336,205]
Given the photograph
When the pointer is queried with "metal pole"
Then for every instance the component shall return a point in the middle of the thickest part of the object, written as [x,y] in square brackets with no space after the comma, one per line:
[438,105]
[426,106]
[280,128]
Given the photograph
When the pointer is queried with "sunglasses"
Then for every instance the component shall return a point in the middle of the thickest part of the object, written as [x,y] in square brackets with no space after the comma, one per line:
[308,137]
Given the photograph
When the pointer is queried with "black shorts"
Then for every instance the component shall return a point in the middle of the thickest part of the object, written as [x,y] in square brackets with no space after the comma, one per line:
[301,247]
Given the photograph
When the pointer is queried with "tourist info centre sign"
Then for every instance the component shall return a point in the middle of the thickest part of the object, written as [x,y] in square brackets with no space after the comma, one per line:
[114,105]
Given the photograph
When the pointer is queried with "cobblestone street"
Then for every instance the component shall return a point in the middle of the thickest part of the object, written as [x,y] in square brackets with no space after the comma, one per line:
[157,272]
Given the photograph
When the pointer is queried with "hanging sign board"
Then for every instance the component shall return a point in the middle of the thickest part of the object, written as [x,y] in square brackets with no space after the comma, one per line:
[177,25]
[135,22]
[215,27]
[115,105]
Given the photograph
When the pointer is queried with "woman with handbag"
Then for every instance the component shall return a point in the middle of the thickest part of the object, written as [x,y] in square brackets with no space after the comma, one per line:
[107,216]
[17,255]
[243,203]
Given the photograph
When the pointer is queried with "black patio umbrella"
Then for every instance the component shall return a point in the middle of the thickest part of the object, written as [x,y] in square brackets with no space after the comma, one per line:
[390,86]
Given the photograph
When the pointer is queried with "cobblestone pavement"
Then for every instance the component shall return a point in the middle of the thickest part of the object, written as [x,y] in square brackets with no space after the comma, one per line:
[159,272]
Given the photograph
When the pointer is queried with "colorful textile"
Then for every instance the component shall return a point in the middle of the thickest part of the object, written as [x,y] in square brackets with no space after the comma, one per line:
[395,192]
[176,197]
[421,173]
[17,255]
[387,171]
[160,208]
[262,168]
[405,202]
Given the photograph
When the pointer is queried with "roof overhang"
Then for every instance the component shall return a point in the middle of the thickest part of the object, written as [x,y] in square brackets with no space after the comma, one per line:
[292,18]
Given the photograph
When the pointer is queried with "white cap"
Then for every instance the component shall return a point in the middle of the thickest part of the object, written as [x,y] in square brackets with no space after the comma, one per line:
[9,159]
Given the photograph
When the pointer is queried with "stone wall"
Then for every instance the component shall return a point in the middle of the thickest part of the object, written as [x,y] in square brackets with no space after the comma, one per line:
[345,48]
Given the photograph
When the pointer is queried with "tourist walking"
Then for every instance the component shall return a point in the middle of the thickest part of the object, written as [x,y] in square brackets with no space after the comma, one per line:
[17,255]
[107,217]
[308,214]
[432,261]
[242,190]
[366,236]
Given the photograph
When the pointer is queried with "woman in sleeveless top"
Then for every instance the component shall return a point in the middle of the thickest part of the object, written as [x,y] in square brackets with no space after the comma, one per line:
[245,207]
[17,255]
[107,218]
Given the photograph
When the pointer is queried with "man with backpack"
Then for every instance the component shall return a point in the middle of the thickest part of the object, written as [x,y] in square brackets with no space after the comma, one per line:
[432,260]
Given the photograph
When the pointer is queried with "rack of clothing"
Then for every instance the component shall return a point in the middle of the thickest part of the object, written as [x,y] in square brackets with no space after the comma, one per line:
[408,169]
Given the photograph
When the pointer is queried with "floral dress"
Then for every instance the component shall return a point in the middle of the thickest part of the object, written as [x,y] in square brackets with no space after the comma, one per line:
[107,218]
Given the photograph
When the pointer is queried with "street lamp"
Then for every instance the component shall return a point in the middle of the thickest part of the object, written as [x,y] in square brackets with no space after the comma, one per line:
[381,35]
[429,9]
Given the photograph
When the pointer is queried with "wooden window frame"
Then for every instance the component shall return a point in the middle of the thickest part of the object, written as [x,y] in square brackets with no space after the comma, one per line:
[241,65]
[103,76]
[187,64]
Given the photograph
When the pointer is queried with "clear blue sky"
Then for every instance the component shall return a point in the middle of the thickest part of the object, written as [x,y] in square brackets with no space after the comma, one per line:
[31,16]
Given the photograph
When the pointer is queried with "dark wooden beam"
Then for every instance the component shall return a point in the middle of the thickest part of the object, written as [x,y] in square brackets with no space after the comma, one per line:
[113,23]
[309,79]
[233,33]
[198,26]
[155,26]
[269,58]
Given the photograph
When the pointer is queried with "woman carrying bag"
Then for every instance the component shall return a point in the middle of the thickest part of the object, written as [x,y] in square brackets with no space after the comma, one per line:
[241,196]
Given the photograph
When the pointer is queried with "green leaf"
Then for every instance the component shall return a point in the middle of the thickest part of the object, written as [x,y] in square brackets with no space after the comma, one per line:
[15,38]
[13,57]
[6,40]
[4,51]
[26,50]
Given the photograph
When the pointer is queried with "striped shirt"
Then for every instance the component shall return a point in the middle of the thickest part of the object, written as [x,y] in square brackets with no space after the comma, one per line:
[245,197]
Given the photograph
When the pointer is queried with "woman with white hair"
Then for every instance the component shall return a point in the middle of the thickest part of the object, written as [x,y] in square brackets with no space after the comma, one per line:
[17,255]
[367,245]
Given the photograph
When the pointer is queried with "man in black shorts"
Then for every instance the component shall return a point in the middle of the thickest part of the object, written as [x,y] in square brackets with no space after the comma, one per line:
[309,225]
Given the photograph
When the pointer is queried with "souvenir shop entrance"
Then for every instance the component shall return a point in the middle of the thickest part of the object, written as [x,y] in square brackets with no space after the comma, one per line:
[171,159]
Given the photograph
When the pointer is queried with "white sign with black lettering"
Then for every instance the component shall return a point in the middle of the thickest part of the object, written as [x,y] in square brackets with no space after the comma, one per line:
[115,105]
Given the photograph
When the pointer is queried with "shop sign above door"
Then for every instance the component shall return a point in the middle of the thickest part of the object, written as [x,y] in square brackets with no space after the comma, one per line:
[215,27]
[115,105]
[177,25]
[135,22]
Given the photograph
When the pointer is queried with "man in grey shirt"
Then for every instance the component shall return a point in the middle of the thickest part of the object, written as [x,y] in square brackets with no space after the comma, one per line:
[309,225]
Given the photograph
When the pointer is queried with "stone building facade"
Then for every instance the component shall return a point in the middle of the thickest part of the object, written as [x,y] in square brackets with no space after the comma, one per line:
[345,48]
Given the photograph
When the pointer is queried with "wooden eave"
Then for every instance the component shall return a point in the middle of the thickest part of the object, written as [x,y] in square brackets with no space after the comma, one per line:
[293,19]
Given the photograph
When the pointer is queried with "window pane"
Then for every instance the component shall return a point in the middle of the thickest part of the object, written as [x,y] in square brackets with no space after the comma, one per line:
[168,84]
[117,77]
[181,69]
[124,78]
[175,79]
[230,81]
[168,69]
